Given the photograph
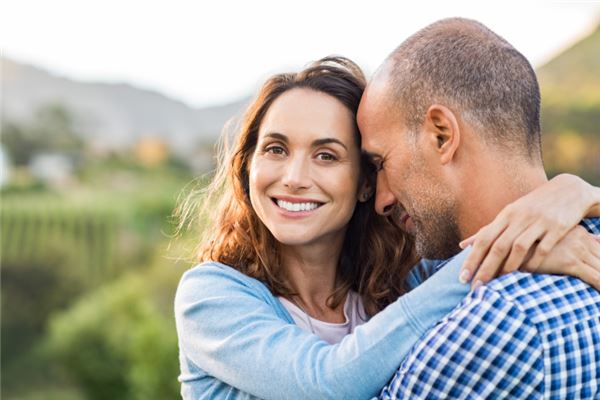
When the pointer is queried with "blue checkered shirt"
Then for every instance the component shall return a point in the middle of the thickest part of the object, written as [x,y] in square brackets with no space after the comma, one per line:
[526,336]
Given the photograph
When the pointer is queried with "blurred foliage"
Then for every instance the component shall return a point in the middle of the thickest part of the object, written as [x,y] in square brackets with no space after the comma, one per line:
[117,343]
[34,290]
[52,130]
[34,228]
[570,85]
[117,337]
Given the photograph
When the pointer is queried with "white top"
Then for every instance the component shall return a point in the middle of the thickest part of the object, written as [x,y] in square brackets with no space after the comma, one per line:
[330,332]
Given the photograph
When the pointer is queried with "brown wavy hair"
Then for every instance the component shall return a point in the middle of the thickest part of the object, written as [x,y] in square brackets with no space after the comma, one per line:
[376,254]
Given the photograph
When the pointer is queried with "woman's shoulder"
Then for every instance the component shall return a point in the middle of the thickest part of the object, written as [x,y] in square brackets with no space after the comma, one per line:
[211,290]
[212,277]
[216,269]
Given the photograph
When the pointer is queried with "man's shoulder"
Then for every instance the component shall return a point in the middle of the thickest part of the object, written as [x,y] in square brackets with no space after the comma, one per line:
[548,301]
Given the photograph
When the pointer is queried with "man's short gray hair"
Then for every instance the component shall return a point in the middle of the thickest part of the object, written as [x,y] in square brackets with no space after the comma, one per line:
[462,64]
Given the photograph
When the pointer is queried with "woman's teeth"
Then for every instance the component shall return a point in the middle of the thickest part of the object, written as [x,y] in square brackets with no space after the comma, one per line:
[295,207]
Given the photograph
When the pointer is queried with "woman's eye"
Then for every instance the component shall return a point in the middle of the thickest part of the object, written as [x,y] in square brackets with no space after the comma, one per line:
[275,150]
[326,157]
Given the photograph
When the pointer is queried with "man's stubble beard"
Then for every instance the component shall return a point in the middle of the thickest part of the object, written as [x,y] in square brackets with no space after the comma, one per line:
[437,238]
[435,216]
[437,234]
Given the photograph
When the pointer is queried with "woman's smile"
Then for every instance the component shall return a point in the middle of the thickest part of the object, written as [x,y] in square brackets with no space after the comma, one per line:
[305,143]
[296,207]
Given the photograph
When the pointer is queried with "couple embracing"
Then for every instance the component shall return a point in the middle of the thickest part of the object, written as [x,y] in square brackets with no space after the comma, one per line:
[331,264]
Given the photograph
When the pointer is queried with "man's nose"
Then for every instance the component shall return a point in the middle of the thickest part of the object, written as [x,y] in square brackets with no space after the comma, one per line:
[296,174]
[385,201]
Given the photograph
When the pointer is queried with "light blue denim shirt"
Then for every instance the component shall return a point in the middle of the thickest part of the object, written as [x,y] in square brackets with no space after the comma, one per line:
[237,341]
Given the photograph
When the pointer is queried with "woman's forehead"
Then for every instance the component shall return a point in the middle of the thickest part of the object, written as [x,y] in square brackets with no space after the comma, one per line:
[308,115]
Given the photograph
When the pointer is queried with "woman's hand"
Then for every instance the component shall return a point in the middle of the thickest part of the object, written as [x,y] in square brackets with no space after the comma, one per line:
[537,222]
[577,254]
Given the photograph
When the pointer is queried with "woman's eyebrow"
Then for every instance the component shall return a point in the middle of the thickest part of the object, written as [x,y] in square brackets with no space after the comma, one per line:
[320,142]
[316,143]
[278,136]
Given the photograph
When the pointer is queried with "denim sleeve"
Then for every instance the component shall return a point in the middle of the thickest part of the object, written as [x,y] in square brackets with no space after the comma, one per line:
[230,331]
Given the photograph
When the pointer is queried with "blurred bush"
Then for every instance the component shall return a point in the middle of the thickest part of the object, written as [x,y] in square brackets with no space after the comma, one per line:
[118,342]
[33,290]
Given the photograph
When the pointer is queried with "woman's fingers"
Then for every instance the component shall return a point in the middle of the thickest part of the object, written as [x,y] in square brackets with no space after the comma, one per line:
[596,249]
[544,247]
[593,260]
[577,254]
[483,240]
[497,254]
[522,248]
[589,270]
[468,241]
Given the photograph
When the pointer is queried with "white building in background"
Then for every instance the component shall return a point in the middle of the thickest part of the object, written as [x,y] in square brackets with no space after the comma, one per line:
[52,169]
[4,167]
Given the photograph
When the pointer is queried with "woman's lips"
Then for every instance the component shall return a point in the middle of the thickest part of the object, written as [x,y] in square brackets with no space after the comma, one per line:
[404,217]
[296,207]
[407,222]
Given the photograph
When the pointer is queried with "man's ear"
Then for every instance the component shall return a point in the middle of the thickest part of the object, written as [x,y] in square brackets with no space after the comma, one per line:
[443,132]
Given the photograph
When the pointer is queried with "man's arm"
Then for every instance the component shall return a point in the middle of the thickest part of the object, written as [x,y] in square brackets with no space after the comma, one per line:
[486,348]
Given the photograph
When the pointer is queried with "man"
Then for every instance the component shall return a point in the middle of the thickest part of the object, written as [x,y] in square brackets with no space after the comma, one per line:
[451,120]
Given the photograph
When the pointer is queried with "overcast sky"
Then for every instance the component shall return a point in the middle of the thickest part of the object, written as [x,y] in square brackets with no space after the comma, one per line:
[210,52]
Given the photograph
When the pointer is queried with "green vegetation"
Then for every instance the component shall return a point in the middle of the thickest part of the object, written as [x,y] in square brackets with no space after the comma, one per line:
[51,131]
[117,343]
[570,85]
[35,230]
[88,283]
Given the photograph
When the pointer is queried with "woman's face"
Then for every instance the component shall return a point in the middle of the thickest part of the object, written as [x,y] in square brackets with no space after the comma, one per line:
[305,169]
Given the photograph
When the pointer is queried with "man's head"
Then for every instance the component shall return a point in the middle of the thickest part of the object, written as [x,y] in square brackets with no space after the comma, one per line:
[452,102]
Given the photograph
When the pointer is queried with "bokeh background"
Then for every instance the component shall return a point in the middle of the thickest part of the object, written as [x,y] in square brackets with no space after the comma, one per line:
[110,112]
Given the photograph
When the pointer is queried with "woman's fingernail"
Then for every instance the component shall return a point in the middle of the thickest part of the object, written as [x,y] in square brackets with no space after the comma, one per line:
[465,275]
[477,284]
[461,245]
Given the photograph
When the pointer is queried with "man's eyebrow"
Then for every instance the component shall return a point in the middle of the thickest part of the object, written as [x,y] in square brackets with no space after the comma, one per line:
[320,142]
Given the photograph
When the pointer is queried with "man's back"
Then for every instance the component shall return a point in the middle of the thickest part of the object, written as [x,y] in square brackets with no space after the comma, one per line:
[521,336]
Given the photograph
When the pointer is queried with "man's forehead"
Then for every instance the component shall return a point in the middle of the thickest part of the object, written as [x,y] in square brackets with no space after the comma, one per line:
[374,95]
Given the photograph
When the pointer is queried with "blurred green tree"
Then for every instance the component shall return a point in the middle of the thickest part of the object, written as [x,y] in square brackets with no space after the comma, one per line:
[117,342]
[51,130]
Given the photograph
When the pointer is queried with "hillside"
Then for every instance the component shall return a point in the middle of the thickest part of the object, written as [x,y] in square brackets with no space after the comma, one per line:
[115,114]
[574,75]
[570,85]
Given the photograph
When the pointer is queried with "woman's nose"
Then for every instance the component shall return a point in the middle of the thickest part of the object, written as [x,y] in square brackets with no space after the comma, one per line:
[296,173]
[385,201]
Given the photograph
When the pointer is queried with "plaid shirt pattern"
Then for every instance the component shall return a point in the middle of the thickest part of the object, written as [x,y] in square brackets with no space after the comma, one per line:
[527,336]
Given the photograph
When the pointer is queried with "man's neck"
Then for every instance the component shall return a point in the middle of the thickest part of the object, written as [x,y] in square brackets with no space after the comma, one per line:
[491,187]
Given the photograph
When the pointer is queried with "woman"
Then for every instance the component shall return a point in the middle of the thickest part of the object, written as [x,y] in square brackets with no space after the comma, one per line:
[297,295]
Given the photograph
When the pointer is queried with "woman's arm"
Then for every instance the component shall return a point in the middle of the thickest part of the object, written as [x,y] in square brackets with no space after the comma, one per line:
[526,231]
[227,328]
